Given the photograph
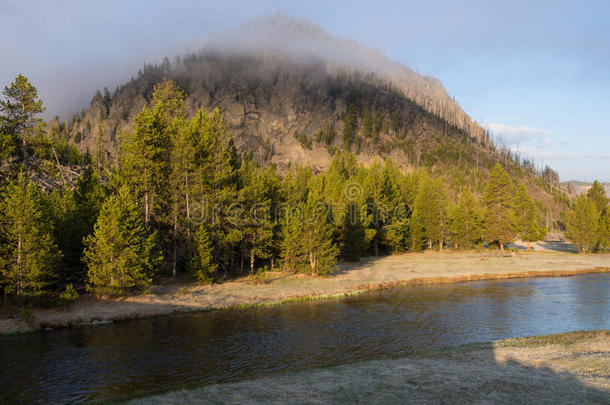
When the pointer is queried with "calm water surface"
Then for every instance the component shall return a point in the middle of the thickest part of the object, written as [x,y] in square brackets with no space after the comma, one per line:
[156,355]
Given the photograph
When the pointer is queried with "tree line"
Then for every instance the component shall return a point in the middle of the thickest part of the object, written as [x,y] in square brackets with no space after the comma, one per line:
[181,199]
[588,221]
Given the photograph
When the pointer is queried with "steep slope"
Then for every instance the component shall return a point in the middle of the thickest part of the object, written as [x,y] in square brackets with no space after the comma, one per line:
[291,93]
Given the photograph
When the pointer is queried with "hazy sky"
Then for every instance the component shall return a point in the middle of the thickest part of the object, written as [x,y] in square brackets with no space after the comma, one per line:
[537,73]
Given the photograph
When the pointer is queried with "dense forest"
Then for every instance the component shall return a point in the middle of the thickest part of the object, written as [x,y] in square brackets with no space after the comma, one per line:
[181,199]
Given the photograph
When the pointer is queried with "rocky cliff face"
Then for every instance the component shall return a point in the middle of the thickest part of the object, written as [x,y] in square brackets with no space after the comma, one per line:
[292,93]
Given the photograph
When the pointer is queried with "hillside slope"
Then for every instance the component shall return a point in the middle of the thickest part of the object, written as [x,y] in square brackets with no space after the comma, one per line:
[292,94]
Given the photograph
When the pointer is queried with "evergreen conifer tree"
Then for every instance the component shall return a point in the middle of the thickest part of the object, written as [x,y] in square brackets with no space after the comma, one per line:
[499,213]
[597,194]
[466,221]
[582,224]
[28,253]
[19,110]
[202,266]
[526,217]
[122,255]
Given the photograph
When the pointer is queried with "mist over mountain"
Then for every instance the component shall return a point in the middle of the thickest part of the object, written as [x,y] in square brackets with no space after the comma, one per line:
[269,71]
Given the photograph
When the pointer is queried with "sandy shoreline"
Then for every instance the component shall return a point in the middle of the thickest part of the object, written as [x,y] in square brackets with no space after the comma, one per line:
[350,278]
[566,368]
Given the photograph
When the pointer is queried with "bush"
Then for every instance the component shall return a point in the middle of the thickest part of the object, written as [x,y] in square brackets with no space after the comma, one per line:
[68,297]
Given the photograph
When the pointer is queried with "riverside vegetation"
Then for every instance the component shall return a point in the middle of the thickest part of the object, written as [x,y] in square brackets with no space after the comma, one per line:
[182,199]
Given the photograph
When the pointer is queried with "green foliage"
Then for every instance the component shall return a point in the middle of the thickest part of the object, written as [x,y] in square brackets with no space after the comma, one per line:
[597,194]
[304,140]
[466,221]
[201,265]
[28,253]
[353,235]
[68,296]
[122,254]
[604,230]
[499,208]
[582,224]
[527,223]
[19,110]
[308,244]
[429,213]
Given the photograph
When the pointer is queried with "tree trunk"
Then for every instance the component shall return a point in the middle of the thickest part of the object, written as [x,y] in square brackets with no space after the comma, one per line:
[20,271]
[272,262]
[252,261]
[146,211]
[376,247]
[312,262]
[528,245]
[441,243]
[502,247]
[175,247]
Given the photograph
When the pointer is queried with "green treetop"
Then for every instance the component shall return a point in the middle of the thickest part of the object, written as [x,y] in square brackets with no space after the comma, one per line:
[582,224]
[597,194]
[499,215]
[527,224]
[19,110]
[28,253]
[122,255]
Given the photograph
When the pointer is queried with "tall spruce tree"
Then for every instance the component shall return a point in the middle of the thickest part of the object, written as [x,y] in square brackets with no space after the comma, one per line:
[597,194]
[582,223]
[27,249]
[308,238]
[499,214]
[201,264]
[466,221]
[429,214]
[353,241]
[527,224]
[122,254]
[19,110]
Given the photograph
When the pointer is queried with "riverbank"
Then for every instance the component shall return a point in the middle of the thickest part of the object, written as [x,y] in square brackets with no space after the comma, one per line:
[350,278]
[554,369]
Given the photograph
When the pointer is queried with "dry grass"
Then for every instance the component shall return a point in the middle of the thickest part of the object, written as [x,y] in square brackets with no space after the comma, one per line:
[556,369]
[350,278]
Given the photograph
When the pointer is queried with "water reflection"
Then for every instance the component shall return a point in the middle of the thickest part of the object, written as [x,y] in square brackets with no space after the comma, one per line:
[160,354]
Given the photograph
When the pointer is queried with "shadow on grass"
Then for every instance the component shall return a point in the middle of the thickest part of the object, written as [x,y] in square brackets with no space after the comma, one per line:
[467,374]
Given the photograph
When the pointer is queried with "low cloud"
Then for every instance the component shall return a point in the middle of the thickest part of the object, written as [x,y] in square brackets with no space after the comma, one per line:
[520,135]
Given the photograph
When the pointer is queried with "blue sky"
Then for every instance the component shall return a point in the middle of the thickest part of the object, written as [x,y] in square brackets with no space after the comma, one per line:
[537,73]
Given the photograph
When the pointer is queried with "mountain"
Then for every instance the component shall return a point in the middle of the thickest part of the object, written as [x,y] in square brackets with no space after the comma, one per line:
[574,187]
[293,94]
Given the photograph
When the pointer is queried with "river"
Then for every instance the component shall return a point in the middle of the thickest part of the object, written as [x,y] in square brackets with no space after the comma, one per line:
[155,355]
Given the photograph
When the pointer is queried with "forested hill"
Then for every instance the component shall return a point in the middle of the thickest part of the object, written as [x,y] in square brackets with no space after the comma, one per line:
[304,95]
[301,91]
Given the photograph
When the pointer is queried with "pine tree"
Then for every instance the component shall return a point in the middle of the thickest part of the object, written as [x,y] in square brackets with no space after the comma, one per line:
[122,255]
[582,223]
[201,265]
[256,223]
[604,230]
[499,214]
[308,243]
[597,194]
[429,214]
[526,217]
[466,221]
[19,110]
[353,241]
[27,249]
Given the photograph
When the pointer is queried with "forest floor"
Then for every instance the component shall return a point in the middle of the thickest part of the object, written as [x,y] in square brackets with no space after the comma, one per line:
[569,368]
[180,295]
